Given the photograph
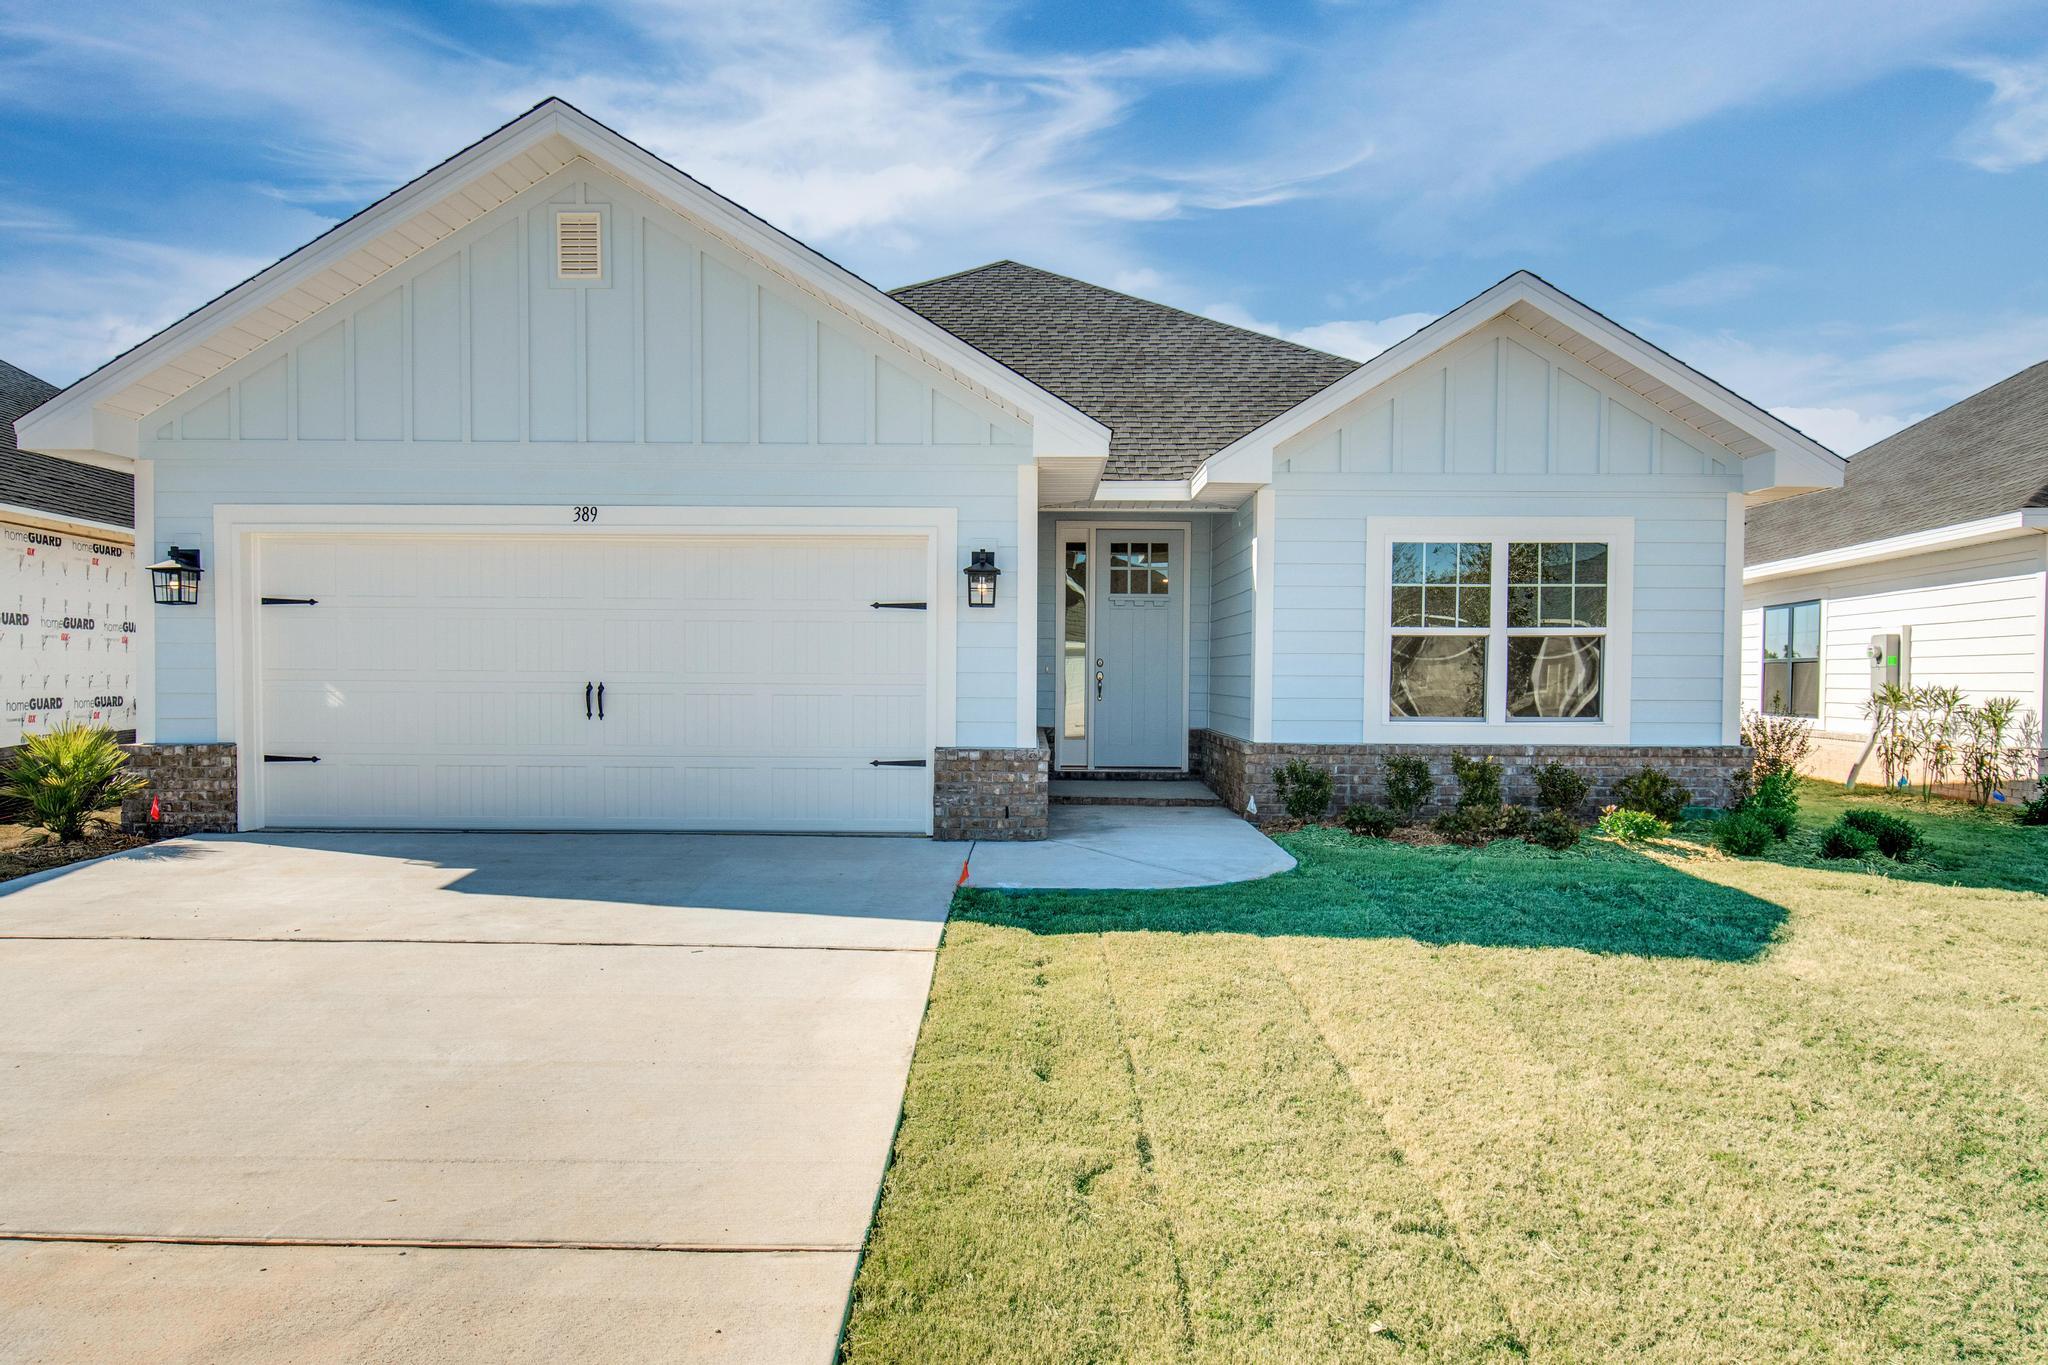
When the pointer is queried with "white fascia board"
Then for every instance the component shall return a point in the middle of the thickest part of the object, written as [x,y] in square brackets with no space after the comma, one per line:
[58,423]
[36,516]
[1950,537]
[1806,464]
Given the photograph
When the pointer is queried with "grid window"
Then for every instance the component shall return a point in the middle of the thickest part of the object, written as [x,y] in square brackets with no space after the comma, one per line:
[1139,568]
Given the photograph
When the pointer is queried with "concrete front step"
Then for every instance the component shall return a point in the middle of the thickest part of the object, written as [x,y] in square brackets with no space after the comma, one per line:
[1067,791]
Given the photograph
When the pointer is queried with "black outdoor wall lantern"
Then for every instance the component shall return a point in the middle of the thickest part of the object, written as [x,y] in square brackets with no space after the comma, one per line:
[981,574]
[177,578]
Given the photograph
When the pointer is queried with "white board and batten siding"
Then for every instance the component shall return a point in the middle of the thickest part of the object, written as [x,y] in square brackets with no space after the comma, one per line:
[686,376]
[70,628]
[1978,616]
[1503,425]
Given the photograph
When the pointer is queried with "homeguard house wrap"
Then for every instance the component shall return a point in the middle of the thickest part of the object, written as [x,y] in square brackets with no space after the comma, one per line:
[69,614]
[556,491]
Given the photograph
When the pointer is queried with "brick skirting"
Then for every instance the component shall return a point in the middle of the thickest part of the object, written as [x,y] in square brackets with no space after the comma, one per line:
[999,794]
[1238,770]
[195,786]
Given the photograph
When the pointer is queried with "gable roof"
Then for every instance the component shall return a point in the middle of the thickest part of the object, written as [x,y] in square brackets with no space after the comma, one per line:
[102,411]
[1777,457]
[44,483]
[1984,457]
[1173,387]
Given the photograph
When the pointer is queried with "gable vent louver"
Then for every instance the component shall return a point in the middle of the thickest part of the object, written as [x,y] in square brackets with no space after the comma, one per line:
[579,246]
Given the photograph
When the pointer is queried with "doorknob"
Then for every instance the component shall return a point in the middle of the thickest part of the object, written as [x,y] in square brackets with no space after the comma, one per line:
[1098,684]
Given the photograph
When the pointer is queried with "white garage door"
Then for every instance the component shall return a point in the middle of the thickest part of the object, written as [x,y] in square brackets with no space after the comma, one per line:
[457,682]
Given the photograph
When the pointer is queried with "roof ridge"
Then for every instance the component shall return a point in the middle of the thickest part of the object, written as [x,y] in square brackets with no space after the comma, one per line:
[953,275]
[1139,298]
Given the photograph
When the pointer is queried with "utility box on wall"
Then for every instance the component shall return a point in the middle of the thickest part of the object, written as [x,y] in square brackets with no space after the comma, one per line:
[1887,661]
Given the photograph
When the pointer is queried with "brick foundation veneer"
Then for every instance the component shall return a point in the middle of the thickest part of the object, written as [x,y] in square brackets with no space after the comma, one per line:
[195,785]
[999,794]
[1238,770]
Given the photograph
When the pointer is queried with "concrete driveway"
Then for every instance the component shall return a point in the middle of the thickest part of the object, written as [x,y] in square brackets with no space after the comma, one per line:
[454,1096]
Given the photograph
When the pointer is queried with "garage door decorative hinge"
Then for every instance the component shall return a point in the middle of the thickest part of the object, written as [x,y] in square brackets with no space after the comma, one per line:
[291,758]
[291,601]
[895,763]
[897,606]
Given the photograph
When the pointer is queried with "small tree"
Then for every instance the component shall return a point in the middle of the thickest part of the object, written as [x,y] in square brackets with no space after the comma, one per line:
[1889,709]
[1777,744]
[62,776]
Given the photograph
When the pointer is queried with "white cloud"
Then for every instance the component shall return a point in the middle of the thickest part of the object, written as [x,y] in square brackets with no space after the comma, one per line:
[2012,130]
[1845,430]
[1354,338]
[1707,288]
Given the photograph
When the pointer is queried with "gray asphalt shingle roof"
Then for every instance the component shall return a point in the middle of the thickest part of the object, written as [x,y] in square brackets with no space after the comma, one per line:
[46,483]
[1985,456]
[1173,388]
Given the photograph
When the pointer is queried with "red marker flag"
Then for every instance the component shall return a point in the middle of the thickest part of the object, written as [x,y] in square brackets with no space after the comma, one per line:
[156,812]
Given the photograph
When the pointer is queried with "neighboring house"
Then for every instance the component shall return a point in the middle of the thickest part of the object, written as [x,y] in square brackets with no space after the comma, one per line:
[69,612]
[1934,550]
[555,490]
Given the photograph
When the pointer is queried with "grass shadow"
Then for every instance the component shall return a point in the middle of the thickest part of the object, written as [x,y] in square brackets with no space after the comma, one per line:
[1599,898]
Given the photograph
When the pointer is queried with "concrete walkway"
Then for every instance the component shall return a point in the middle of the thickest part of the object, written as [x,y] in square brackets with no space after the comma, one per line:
[1132,847]
[454,1097]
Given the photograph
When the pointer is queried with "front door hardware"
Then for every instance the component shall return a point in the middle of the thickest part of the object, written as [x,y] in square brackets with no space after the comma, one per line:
[897,606]
[291,758]
[895,763]
[600,701]
[291,601]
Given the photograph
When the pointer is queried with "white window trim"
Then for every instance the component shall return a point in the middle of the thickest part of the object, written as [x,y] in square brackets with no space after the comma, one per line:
[1820,660]
[1619,534]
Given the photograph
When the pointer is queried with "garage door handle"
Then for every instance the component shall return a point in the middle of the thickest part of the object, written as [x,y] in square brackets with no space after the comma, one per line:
[895,763]
[586,700]
[291,758]
[600,701]
[897,606]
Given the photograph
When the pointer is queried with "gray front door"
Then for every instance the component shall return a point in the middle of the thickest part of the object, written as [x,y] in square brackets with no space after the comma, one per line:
[1139,662]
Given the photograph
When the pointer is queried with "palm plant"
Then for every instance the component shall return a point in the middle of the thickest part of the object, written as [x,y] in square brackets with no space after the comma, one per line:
[62,776]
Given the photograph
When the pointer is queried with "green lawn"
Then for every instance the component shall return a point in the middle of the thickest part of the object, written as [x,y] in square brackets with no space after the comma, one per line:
[1486,1105]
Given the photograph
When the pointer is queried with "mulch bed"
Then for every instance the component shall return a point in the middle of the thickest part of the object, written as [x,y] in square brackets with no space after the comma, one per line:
[26,858]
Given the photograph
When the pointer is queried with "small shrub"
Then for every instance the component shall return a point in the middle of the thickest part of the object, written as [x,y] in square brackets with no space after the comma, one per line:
[1552,829]
[1777,744]
[1305,789]
[1896,837]
[1653,792]
[1369,822]
[1744,834]
[1470,826]
[1632,826]
[1516,821]
[1409,785]
[1559,788]
[1774,802]
[1843,840]
[1478,783]
[2035,812]
[61,777]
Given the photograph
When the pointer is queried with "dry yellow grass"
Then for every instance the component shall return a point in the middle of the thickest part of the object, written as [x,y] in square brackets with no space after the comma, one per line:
[1454,1105]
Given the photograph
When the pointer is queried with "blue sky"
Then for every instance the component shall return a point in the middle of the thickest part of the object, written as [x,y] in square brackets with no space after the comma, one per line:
[1836,207]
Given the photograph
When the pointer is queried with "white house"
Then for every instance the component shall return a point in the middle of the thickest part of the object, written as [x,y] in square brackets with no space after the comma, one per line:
[1933,554]
[554,490]
[69,612]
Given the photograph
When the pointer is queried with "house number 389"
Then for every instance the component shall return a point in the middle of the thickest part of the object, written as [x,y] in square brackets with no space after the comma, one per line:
[586,513]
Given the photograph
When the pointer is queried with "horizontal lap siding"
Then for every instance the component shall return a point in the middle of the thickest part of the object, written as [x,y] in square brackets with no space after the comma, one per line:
[1320,581]
[1232,597]
[1976,615]
[689,378]
[1198,584]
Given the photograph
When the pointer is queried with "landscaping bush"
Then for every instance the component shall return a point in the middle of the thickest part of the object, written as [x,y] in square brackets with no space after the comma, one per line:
[1895,837]
[1774,803]
[1369,822]
[1777,744]
[62,776]
[1744,834]
[1478,782]
[1553,829]
[1633,826]
[1515,822]
[1559,788]
[1305,789]
[1409,785]
[2035,812]
[1843,840]
[1470,827]
[1653,792]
